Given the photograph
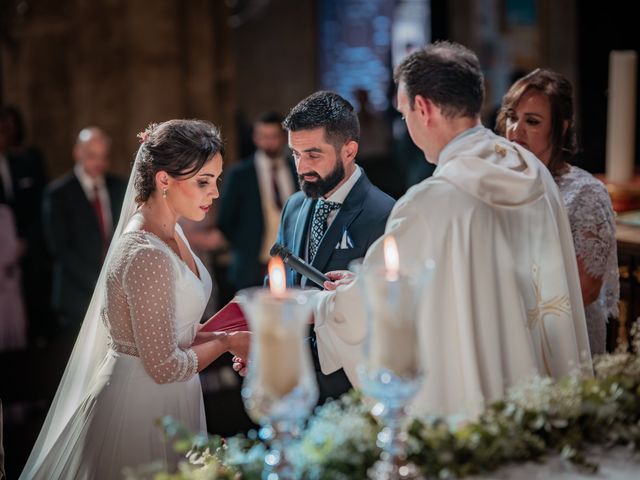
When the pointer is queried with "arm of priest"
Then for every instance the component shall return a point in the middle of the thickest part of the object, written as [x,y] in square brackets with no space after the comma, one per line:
[340,325]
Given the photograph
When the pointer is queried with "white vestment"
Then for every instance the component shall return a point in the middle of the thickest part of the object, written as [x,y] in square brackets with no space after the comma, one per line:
[504,302]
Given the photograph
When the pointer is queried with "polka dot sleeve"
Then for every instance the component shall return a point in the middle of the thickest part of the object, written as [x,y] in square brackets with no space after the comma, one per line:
[149,286]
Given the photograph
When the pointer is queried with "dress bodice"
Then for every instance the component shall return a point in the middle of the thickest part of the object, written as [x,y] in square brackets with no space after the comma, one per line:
[594,236]
[154,303]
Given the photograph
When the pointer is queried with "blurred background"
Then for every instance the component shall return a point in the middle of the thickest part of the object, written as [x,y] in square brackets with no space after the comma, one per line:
[122,64]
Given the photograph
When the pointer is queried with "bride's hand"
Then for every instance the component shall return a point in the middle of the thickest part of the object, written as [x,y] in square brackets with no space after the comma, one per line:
[202,337]
[238,343]
[240,365]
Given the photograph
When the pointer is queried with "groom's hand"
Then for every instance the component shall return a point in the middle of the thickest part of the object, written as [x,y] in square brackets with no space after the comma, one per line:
[337,278]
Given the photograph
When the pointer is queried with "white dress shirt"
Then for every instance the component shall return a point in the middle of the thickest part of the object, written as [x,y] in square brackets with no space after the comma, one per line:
[88,185]
[270,211]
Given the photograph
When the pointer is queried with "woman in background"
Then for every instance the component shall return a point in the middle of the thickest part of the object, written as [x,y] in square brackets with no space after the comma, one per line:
[537,113]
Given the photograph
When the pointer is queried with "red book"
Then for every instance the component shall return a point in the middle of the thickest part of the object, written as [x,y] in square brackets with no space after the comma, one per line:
[229,318]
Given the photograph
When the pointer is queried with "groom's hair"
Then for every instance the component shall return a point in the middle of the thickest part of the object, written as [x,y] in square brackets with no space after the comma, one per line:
[326,110]
[178,147]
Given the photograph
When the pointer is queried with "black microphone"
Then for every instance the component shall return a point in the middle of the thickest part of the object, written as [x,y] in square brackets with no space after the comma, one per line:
[299,265]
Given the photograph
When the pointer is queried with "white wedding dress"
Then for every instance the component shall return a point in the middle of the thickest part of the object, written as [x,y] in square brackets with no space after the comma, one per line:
[151,308]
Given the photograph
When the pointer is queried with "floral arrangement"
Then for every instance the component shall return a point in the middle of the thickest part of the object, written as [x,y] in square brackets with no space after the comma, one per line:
[534,420]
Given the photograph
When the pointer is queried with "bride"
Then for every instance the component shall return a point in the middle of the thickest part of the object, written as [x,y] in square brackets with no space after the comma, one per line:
[139,351]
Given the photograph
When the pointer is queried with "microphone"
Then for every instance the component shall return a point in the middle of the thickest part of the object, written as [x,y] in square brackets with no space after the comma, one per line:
[299,265]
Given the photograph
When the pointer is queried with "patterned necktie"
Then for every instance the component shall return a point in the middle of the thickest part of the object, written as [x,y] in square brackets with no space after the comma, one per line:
[319,224]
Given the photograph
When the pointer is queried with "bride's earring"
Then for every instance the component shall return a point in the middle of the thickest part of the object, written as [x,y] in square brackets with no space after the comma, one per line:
[164,193]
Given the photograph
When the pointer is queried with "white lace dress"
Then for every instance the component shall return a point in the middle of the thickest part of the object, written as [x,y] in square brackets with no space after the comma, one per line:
[594,236]
[152,310]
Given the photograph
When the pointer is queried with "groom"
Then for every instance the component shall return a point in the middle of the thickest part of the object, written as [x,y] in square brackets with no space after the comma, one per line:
[338,213]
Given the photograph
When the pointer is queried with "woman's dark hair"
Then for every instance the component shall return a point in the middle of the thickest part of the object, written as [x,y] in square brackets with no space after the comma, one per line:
[559,91]
[178,147]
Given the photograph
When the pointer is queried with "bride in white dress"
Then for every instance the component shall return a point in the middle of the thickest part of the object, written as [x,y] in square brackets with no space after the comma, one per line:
[139,352]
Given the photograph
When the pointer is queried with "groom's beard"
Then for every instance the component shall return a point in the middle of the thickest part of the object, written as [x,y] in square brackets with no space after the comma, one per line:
[324,185]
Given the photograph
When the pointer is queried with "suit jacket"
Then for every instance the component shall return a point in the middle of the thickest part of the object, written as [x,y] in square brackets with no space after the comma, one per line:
[241,220]
[361,219]
[28,179]
[73,237]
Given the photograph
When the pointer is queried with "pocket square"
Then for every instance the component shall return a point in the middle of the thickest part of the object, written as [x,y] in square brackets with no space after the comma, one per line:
[345,242]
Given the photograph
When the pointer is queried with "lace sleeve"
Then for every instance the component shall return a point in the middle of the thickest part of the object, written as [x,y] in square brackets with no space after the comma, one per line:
[149,287]
[593,227]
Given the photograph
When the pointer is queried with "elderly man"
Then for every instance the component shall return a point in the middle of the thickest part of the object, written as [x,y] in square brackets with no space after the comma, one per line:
[80,212]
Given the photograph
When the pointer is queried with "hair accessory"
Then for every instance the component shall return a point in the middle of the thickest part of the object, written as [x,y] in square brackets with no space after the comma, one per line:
[144,136]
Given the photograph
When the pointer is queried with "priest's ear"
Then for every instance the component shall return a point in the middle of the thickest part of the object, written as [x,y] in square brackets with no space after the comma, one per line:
[349,150]
[424,107]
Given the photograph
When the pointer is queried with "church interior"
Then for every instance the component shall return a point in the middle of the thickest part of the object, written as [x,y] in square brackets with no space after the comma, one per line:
[121,65]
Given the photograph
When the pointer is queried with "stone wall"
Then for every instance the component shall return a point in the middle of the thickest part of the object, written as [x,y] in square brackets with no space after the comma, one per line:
[119,65]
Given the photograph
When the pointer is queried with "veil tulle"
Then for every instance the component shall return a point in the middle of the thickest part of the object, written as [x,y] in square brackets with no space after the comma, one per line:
[88,352]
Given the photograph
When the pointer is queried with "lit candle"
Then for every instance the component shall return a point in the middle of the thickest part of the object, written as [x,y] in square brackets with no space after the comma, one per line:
[280,348]
[394,337]
[621,116]
[391,258]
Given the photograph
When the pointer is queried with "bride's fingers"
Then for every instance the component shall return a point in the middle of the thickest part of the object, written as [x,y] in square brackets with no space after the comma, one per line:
[241,368]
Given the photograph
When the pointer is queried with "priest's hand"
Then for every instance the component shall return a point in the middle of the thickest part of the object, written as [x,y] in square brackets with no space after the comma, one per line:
[338,278]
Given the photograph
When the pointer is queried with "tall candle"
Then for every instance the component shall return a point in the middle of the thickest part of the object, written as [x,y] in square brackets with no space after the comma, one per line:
[394,343]
[279,347]
[279,344]
[621,116]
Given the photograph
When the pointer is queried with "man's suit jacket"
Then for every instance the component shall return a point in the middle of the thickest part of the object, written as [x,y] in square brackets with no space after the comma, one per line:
[359,222]
[241,220]
[73,237]
[28,180]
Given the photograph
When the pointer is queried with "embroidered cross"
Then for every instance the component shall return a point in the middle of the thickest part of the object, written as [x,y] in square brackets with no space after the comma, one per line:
[560,305]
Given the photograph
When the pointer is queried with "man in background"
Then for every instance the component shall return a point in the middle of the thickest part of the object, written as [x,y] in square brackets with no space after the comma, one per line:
[80,212]
[250,205]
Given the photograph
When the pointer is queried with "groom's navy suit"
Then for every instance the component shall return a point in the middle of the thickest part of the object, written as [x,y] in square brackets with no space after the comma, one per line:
[359,222]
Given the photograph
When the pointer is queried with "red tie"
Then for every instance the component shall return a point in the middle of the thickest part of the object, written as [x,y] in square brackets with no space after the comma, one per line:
[97,206]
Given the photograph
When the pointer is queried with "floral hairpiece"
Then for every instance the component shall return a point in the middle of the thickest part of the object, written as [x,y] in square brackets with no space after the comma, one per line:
[144,136]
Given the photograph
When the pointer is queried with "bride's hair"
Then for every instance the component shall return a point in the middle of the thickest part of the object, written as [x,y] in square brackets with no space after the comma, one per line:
[178,147]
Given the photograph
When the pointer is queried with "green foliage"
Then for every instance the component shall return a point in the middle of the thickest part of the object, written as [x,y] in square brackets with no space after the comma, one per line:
[536,419]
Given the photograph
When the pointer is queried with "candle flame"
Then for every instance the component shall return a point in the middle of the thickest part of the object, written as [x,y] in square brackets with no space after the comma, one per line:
[391,258]
[277,279]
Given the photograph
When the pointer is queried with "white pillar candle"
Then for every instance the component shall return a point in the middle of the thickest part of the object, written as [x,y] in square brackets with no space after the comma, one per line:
[621,117]
[394,336]
[279,348]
